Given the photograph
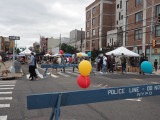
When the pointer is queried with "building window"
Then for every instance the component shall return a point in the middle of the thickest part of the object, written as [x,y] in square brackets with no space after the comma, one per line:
[138,2]
[93,43]
[158,9]
[87,14]
[158,31]
[93,32]
[99,20]
[138,34]
[117,22]
[87,44]
[126,7]
[87,34]
[139,17]
[126,39]
[119,15]
[87,24]
[120,4]
[117,6]
[93,21]
[94,10]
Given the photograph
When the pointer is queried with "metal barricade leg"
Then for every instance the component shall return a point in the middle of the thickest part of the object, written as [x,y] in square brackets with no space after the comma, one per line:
[56,110]
[45,73]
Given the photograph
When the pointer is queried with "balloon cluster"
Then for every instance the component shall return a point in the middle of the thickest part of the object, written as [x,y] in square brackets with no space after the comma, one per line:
[84,68]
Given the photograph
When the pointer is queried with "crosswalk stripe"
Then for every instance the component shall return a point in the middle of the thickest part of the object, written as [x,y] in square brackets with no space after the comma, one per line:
[52,75]
[5,92]
[6,85]
[73,73]
[6,88]
[5,98]
[63,74]
[4,105]
[3,117]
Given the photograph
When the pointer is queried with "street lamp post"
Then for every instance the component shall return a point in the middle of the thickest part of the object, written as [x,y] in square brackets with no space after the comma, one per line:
[13,38]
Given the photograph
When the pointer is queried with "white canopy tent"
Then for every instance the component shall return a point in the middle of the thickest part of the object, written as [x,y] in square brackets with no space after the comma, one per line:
[25,52]
[83,54]
[47,55]
[57,55]
[125,51]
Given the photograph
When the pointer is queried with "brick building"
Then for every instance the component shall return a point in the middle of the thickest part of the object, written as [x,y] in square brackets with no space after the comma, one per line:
[138,26]
[100,18]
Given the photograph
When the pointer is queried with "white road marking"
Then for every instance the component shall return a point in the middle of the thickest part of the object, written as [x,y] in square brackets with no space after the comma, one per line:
[6,88]
[73,73]
[5,98]
[6,85]
[3,117]
[4,105]
[5,93]
[27,76]
[52,75]
[138,100]
[63,74]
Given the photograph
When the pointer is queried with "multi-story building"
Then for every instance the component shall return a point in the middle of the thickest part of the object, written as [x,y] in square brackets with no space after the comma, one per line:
[77,39]
[138,26]
[43,44]
[52,43]
[100,18]
[2,45]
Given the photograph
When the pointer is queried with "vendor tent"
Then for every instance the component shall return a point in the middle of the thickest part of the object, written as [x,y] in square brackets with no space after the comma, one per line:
[125,51]
[46,55]
[25,52]
[83,54]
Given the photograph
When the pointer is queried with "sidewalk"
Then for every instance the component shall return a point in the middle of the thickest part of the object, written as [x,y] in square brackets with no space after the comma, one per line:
[157,73]
[10,75]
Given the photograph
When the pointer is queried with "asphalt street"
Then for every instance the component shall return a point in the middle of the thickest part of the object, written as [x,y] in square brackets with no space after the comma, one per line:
[13,105]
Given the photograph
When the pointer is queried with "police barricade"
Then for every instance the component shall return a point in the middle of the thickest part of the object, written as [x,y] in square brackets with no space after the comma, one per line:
[55,100]
[61,66]
[56,66]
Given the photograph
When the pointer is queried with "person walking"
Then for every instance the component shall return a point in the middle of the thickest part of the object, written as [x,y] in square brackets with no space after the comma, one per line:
[155,64]
[32,67]
[55,62]
[123,62]
[112,63]
[142,59]
[104,65]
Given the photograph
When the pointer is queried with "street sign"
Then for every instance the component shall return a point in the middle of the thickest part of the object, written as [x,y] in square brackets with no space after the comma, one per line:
[14,38]
[55,100]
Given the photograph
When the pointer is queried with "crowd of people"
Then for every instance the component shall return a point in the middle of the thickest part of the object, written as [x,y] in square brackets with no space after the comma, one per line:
[103,63]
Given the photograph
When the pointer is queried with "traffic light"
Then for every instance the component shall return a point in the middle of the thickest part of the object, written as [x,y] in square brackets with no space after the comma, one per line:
[159,18]
[153,42]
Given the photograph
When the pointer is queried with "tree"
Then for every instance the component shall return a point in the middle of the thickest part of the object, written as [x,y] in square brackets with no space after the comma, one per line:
[68,49]
[18,51]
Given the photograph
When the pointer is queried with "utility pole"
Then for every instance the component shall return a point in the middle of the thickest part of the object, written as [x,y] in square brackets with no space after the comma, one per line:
[60,43]
[151,36]
[81,39]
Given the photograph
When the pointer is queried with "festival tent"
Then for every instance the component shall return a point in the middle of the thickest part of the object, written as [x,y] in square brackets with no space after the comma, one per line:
[68,55]
[83,54]
[125,51]
[57,55]
[47,55]
[25,52]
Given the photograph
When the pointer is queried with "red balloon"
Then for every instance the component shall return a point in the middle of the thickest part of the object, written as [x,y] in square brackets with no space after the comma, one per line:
[83,81]
[61,51]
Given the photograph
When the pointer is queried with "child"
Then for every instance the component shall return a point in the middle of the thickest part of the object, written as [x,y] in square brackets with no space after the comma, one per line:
[155,64]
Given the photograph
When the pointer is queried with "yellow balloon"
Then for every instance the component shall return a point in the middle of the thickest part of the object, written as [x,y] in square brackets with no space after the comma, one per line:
[79,55]
[85,67]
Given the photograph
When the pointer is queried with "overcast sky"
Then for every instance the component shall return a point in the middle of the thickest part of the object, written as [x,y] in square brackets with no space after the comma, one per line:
[31,19]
